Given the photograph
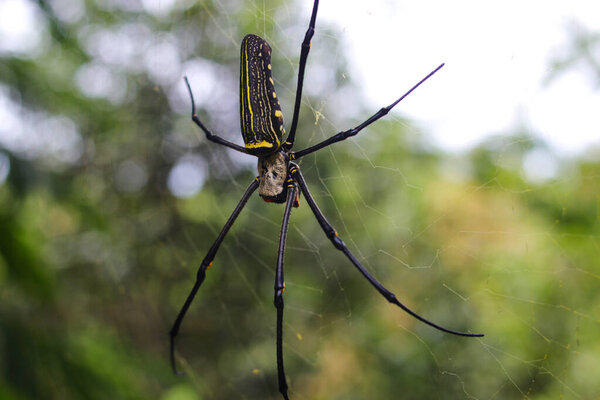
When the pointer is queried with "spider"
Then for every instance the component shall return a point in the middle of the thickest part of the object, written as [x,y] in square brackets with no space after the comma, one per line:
[279,178]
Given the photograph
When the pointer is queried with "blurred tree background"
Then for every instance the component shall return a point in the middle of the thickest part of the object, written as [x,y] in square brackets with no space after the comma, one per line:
[110,198]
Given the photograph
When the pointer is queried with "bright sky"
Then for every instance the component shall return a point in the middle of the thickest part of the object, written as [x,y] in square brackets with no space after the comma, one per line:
[496,53]
[497,56]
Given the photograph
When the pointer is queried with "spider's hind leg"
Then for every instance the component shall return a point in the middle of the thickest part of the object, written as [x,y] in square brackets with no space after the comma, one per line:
[209,135]
[338,137]
[341,246]
[289,143]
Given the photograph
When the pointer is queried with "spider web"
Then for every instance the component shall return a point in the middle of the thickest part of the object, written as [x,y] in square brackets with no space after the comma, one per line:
[467,249]
[500,239]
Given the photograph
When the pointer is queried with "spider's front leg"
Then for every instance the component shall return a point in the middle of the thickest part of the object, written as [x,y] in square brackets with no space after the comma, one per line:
[280,285]
[205,265]
[341,246]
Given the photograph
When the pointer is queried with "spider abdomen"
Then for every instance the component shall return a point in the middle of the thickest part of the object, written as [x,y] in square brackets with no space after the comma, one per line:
[260,112]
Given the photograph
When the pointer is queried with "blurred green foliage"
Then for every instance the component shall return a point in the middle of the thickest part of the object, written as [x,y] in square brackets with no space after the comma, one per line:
[97,254]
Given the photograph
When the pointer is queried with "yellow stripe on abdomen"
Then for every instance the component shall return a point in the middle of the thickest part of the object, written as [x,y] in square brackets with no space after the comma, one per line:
[256,145]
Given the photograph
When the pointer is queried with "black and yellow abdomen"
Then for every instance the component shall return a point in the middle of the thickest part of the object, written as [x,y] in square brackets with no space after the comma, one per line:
[260,112]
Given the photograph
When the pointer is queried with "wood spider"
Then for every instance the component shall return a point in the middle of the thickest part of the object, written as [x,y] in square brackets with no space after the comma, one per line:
[279,178]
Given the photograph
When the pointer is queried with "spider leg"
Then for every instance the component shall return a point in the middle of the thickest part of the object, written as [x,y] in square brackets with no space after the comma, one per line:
[301,66]
[206,264]
[340,245]
[209,135]
[280,287]
[351,132]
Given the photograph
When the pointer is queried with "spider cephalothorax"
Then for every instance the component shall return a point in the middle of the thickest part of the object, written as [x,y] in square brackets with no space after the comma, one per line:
[273,177]
[279,178]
